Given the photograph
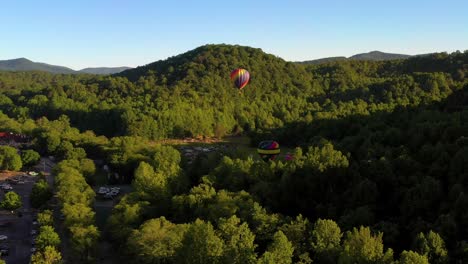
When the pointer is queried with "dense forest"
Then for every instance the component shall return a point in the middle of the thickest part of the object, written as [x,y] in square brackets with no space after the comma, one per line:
[379,173]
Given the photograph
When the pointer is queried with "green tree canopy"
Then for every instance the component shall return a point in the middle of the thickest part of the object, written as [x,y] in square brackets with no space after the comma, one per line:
[47,237]
[200,245]
[11,201]
[10,159]
[280,251]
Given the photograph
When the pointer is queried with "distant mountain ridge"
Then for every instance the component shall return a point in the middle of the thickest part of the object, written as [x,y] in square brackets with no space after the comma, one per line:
[104,70]
[23,64]
[373,56]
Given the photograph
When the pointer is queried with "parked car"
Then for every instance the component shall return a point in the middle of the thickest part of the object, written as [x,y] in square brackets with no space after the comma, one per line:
[33,250]
[20,182]
[7,187]
[3,237]
[103,190]
[33,232]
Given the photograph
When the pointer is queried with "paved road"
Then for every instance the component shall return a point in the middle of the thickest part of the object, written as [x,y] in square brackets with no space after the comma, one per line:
[19,237]
[19,233]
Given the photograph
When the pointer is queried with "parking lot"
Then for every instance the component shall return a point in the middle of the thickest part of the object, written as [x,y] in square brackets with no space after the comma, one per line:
[18,228]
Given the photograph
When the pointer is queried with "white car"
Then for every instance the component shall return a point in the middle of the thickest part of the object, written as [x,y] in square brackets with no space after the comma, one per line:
[7,187]
[103,190]
[33,232]
[3,237]
[33,250]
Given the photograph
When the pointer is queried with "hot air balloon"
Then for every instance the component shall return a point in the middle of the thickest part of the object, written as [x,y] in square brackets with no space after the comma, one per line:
[268,150]
[240,77]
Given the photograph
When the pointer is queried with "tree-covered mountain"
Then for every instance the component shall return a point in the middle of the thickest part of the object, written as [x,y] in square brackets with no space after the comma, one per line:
[104,70]
[371,56]
[23,64]
[379,149]
[378,55]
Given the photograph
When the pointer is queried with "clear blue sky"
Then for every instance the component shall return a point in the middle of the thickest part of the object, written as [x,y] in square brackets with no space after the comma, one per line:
[90,33]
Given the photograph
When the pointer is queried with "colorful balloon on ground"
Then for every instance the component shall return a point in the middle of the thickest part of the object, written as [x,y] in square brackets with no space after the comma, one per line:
[268,150]
[240,77]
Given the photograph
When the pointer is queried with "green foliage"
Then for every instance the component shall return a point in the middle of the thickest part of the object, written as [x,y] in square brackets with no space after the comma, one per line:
[360,246]
[239,241]
[297,232]
[9,159]
[411,257]
[432,246]
[156,241]
[126,216]
[45,218]
[49,255]
[325,240]
[325,157]
[40,194]
[379,144]
[76,198]
[280,251]
[78,214]
[84,240]
[11,201]
[30,157]
[150,184]
[47,237]
[200,245]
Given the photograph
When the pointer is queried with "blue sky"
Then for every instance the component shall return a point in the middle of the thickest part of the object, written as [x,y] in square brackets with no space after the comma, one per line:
[91,33]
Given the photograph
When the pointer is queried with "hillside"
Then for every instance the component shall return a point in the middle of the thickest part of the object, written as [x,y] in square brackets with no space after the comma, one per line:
[104,70]
[379,155]
[23,64]
[371,56]
[378,55]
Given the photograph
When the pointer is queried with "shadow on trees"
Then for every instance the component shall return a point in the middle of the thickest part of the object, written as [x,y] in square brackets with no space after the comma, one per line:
[407,171]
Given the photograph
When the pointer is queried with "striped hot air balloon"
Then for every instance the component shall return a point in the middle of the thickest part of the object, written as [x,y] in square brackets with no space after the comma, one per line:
[268,150]
[240,77]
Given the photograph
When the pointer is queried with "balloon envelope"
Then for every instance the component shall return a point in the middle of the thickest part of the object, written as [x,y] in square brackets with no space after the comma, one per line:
[268,149]
[240,77]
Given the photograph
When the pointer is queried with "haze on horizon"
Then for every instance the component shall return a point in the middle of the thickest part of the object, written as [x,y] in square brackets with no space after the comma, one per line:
[80,34]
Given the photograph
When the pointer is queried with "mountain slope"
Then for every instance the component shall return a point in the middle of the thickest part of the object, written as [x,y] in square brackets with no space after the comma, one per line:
[104,70]
[372,56]
[323,60]
[23,64]
[378,55]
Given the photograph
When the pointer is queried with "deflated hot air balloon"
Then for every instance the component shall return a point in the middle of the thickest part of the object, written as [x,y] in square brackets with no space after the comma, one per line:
[268,150]
[240,77]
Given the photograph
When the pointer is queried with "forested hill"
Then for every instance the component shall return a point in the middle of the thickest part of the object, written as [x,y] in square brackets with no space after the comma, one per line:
[372,56]
[378,172]
[23,64]
[191,94]
[104,70]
